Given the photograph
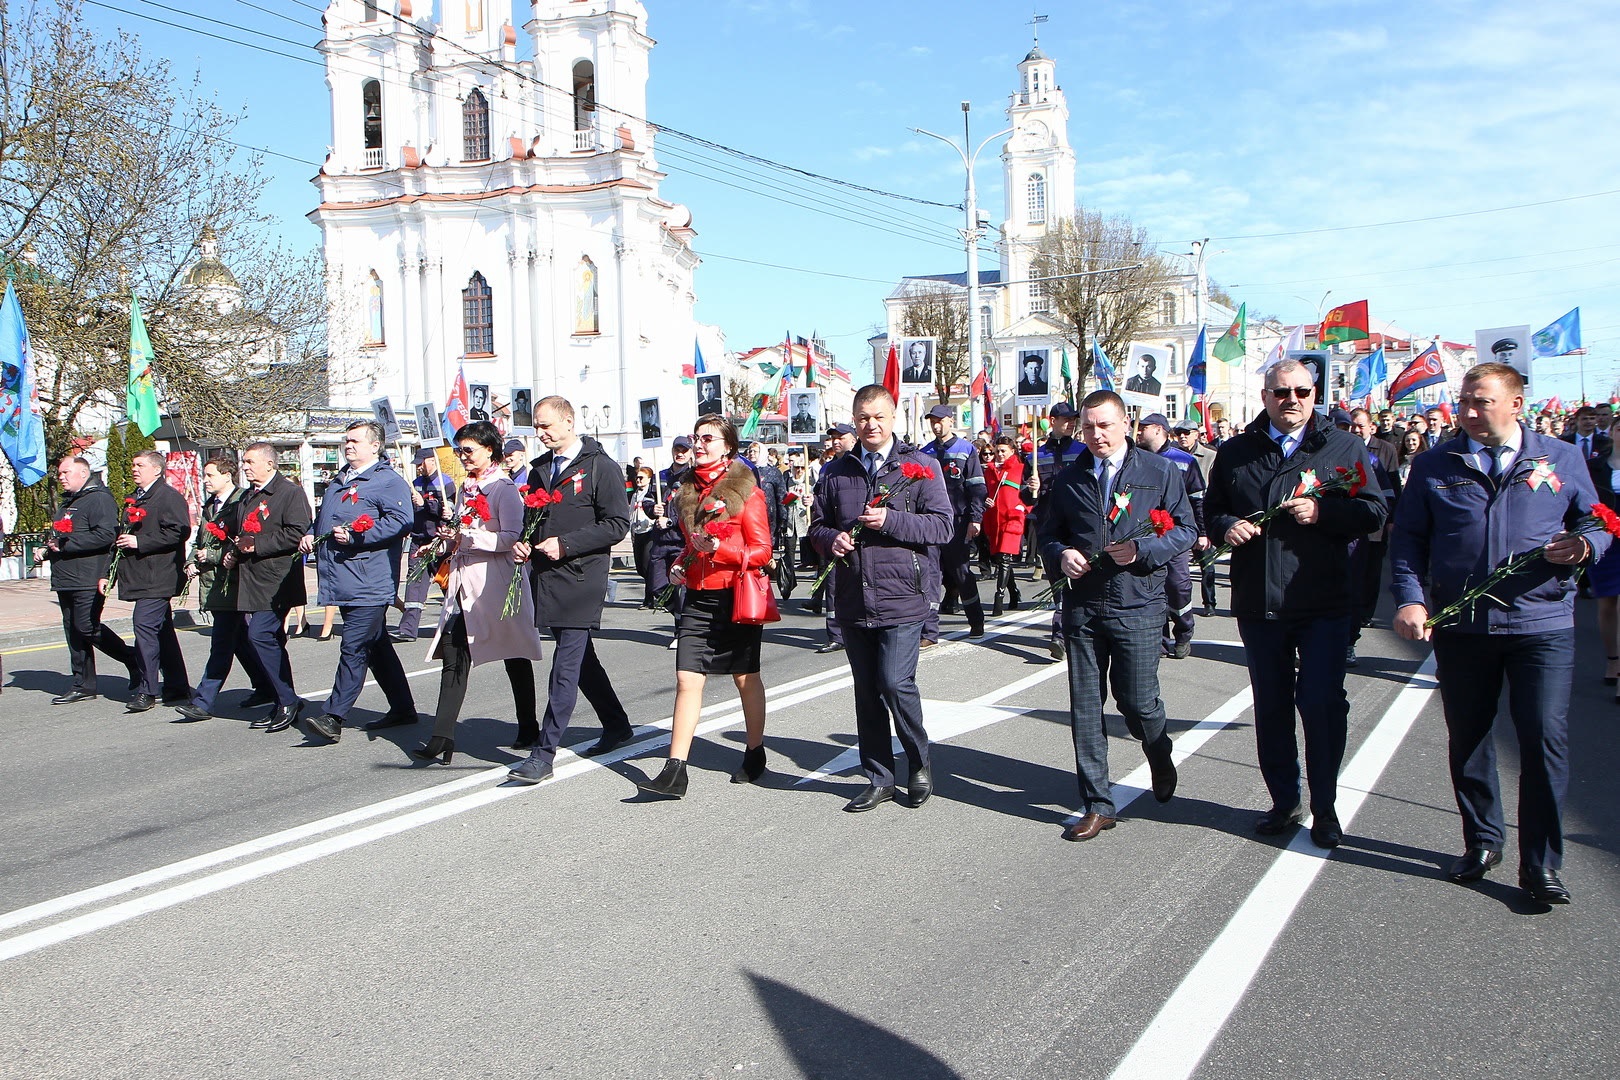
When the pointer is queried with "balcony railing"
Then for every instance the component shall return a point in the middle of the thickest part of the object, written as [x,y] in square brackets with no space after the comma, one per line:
[374,157]
[584,140]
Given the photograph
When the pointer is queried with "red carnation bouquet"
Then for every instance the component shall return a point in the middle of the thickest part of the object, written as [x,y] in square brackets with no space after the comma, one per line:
[1601,519]
[910,473]
[1349,481]
[133,516]
[363,523]
[707,519]
[475,508]
[64,526]
[1158,523]
[537,503]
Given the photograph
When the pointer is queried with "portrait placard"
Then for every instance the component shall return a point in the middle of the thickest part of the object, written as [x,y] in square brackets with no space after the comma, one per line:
[1035,378]
[804,415]
[917,364]
[652,423]
[428,431]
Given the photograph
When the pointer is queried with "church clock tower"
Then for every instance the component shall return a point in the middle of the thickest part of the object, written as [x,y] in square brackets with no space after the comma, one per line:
[1038,176]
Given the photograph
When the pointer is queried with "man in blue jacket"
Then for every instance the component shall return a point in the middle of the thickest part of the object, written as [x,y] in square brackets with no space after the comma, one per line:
[358,572]
[1292,591]
[958,466]
[1113,603]
[1153,435]
[881,586]
[1472,503]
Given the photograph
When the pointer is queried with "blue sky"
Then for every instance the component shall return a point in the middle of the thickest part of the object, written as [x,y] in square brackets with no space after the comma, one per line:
[1268,126]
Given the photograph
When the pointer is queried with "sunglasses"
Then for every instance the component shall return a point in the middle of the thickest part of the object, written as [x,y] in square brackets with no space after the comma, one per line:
[464,450]
[1302,392]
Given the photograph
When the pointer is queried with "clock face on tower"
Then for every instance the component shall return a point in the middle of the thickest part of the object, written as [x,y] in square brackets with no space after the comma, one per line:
[1034,135]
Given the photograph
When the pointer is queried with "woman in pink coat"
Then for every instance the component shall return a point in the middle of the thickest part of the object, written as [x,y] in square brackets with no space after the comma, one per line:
[487,522]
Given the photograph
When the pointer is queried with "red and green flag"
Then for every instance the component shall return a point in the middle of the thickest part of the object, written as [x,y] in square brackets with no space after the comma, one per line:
[1231,345]
[1347,322]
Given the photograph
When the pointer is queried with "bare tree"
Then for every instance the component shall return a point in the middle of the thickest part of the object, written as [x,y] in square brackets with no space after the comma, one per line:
[740,395]
[109,174]
[1111,308]
[938,310]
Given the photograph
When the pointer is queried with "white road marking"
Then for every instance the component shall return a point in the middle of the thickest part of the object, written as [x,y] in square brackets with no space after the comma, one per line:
[721,715]
[1180,1035]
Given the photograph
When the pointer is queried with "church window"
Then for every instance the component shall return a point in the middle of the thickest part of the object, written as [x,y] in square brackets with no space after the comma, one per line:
[1037,199]
[587,311]
[475,16]
[478,317]
[1037,297]
[371,108]
[986,326]
[584,96]
[475,127]
[1167,309]
[374,310]
[1170,351]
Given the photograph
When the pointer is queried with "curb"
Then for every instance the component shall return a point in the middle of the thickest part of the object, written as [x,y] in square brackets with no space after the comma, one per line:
[184,619]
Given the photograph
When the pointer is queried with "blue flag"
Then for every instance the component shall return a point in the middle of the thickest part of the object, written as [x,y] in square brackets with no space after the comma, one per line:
[1197,368]
[697,359]
[22,430]
[1560,337]
[1101,369]
[1371,371]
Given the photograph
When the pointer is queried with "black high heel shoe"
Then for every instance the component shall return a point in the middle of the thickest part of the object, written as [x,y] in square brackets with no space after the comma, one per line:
[438,748]
[753,766]
[671,783]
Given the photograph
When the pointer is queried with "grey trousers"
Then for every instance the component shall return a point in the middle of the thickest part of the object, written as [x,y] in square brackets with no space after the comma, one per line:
[1125,656]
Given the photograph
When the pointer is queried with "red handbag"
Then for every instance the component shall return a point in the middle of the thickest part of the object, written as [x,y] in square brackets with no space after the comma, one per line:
[753,603]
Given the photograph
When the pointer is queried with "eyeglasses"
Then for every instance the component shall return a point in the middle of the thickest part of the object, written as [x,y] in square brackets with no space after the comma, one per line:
[708,438]
[465,450]
[1302,392]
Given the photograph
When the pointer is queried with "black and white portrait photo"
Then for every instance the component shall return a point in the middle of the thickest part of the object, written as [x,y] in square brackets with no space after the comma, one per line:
[1034,377]
[383,410]
[1508,345]
[804,415]
[428,431]
[522,411]
[1146,371]
[477,401]
[708,396]
[917,363]
[652,424]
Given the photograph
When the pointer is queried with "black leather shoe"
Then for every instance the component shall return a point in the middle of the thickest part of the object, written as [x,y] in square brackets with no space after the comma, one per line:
[177,697]
[388,720]
[257,700]
[831,646]
[1181,650]
[283,718]
[1325,831]
[609,741]
[671,783]
[1209,611]
[1278,819]
[141,703]
[265,720]
[326,726]
[531,770]
[73,697]
[752,767]
[191,712]
[1543,885]
[1475,864]
[1164,777]
[919,786]
[871,797]
[401,639]
[438,748]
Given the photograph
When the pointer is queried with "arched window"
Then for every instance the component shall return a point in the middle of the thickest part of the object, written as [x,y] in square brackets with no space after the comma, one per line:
[1037,297]
[584,97]
[374,310]
[986,324]
[1170,351]
[475,16]
[587,317]
[1037,199]
[371,111]
[1167,309]
[478,317]
[475,127]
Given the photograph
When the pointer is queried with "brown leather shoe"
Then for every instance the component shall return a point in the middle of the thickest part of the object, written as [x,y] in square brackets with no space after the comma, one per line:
[1087,827]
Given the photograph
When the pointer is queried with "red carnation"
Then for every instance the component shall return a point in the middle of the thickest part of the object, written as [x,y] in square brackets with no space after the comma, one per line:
[63,526]
[252,524]
[216,531]
[362,523]
[1162,521]
[479,507]
[1609,519]
[720,529]
[536,499]
[135,515]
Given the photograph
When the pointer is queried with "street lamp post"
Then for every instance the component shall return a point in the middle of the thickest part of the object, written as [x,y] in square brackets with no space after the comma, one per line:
[972,230]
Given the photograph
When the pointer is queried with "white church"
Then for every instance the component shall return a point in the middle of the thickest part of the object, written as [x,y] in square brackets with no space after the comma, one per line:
[500,215]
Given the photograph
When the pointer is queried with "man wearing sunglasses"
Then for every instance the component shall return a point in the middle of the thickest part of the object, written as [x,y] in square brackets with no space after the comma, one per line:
[1292,590]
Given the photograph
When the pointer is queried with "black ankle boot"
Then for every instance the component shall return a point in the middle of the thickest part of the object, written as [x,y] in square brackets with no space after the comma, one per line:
[671,783]
[995,608]
[753,766]
[438,748]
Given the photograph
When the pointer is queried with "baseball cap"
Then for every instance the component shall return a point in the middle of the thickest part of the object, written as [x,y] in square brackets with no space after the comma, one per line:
[1340,416]
[1154,418]
[1062,410]
[941,412]
[512,446]
[424,454]
[840,429]
[681,443]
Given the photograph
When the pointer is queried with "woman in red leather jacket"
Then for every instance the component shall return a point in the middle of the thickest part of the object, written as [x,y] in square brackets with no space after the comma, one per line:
[1004,516]
[722,514]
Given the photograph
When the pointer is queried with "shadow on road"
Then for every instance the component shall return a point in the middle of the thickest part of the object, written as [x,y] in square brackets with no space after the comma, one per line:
[828,1043]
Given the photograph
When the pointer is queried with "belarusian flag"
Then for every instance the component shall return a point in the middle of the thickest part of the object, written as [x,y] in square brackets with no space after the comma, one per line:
[1231,345]
[1348,322]
[140,396]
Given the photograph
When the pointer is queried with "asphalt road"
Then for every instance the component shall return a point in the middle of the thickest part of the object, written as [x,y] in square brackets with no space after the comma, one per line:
[205,900]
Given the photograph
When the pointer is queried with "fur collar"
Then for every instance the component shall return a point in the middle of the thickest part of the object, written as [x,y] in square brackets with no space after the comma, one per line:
[733,488]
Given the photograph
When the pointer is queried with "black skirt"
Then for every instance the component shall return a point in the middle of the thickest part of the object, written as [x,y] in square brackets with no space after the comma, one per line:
[709,642]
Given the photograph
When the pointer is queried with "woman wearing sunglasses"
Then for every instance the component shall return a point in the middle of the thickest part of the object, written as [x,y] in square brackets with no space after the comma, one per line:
[487,521]
[722,513]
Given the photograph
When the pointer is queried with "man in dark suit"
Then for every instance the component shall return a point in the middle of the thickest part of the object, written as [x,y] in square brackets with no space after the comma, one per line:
[572,555]
[82,532]
[1367,560]
[1483,497]
[1586,437]
[274,516]
[151,573]
[1113,604]
[1291,589]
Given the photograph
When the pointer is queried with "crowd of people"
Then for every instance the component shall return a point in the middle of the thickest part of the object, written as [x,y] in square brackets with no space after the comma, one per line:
[1309,505]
